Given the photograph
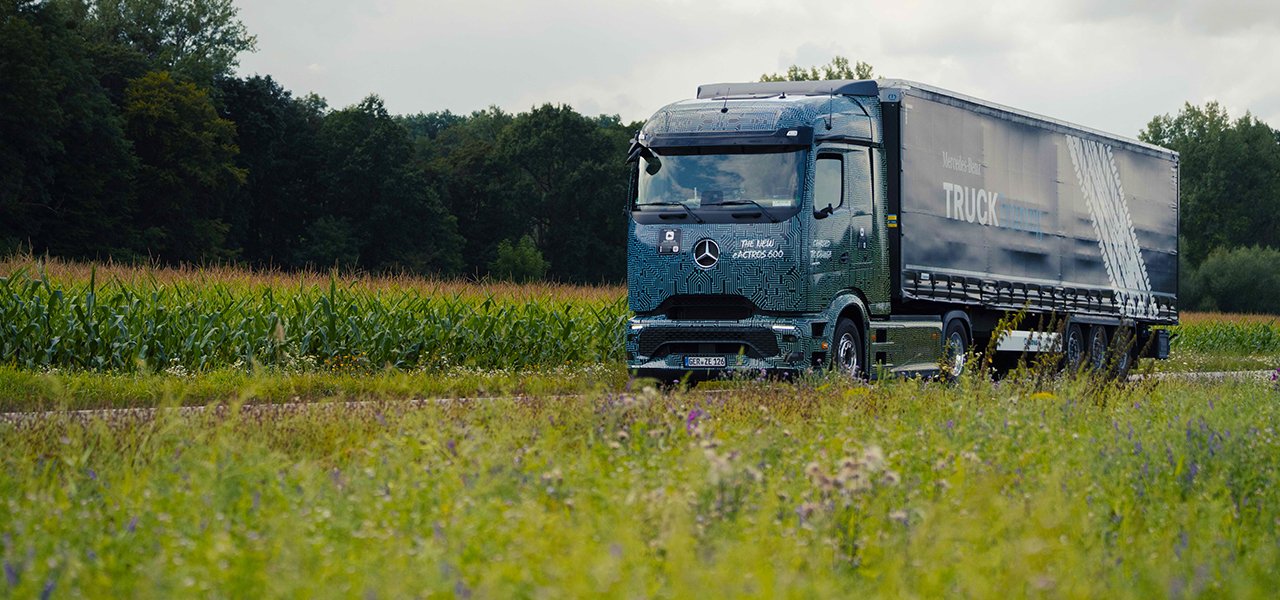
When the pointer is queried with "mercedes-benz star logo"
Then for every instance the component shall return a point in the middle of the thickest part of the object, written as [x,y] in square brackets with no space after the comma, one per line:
[706,253]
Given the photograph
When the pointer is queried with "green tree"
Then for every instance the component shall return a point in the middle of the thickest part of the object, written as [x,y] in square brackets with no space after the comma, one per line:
[521,262]
[570,166]
[277,137]
[197,39]
[1237,280]
[370,184]
[838,68]
[1230,178]
[187,170]
[65,165]
[329,241]
[484,191]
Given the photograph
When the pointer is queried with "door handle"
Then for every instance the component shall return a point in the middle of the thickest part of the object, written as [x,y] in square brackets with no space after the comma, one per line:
[844,257]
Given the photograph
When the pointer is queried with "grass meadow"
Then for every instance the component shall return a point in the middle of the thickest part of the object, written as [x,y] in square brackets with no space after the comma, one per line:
[906,488]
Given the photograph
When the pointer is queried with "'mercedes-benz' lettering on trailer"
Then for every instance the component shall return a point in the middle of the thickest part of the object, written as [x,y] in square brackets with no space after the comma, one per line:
[963,164]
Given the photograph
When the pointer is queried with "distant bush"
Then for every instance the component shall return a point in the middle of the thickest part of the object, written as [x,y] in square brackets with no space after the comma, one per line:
[521,262]
[1235,280]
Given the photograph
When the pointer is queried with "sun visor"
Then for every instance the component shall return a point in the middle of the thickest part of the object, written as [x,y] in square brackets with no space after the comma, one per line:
[787,136]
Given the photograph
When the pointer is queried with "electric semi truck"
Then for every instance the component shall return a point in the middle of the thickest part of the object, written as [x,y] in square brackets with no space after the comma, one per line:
[885,226]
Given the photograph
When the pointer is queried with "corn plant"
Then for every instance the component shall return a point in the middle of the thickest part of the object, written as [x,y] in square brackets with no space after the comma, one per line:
[126,326]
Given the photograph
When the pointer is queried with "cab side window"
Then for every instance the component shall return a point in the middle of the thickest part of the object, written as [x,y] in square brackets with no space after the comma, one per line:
[828,182]
[859,192]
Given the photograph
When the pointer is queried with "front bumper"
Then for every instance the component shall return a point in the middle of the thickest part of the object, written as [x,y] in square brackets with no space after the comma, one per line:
[772,346]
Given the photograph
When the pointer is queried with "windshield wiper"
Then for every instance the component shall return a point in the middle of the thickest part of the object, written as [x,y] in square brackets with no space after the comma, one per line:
[680,204]
[757,204]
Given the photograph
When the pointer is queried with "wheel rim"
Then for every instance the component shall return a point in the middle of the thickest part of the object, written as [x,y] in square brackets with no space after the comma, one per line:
[1098,350]
[1122,355]
[955,351]
[1074,348]
[848,354]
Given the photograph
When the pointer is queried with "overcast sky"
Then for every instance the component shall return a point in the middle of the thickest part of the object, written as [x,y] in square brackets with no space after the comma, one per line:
[1107,64]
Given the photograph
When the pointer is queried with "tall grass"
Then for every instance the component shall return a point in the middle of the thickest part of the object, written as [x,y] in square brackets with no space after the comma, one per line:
[829,489]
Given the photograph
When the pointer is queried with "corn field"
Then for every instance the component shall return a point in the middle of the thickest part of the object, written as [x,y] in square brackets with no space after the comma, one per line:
[195,326]
[1228,336]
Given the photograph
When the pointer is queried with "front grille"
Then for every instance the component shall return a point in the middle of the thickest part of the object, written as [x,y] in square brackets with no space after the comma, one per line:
[757,342]
[707,307]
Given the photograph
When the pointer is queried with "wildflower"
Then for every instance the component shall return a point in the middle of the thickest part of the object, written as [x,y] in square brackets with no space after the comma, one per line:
[899,516]
[719,464]
[873,458]
[691,422]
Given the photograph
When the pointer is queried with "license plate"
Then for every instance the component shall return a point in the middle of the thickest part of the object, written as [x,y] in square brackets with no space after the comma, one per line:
[704,361]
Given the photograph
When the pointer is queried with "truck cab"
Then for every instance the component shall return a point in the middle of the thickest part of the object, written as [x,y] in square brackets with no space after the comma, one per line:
[757,224]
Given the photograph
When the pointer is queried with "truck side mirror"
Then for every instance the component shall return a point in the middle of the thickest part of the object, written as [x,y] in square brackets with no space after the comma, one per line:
[638,151]
[824,213]
[652,163]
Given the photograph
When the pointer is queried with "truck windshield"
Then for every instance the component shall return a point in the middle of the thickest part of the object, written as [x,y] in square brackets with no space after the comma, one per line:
[769,179]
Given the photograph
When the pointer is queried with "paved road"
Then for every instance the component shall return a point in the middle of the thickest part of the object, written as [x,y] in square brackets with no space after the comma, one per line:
[1208,375]
[126,415]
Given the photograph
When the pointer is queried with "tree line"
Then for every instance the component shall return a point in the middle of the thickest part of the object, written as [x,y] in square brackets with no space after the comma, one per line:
[125,133]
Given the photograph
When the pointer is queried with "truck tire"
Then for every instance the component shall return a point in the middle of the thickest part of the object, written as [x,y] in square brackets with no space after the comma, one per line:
[1097,349]
[955,348]
[1123,348]
[847,355]
[1073,348]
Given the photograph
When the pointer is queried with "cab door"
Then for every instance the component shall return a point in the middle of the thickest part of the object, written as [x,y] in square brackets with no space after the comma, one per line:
[830,252]
[862,230]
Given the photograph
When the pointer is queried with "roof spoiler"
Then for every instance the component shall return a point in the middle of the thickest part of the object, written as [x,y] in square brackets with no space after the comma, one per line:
[765,89]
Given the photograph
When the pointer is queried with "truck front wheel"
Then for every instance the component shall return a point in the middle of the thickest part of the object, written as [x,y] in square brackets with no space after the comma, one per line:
[848,355]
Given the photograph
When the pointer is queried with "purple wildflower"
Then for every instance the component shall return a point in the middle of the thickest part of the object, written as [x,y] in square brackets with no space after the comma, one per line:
[11,574]
[691,421]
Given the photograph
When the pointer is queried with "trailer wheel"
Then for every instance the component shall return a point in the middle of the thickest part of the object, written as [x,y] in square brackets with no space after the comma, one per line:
[1122,344]
[955,340]
[1097,348]
[1073,348]
[848,350]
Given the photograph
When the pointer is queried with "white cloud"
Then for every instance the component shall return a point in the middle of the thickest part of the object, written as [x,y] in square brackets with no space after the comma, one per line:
[1108,64]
